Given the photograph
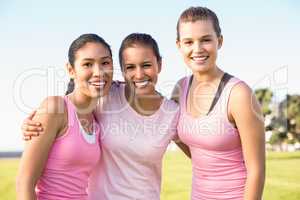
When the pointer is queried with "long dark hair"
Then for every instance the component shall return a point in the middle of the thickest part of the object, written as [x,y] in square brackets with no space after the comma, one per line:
[76,45]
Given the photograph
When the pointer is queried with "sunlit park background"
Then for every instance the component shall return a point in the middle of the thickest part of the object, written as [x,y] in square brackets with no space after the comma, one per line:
[282,181]
[261,46]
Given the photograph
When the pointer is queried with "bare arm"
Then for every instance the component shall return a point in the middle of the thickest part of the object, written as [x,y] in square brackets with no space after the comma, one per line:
[175,96]
[245,111]
[36,151]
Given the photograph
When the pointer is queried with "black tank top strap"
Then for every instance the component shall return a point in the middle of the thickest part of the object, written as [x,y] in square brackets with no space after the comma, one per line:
[183,97]
[226,77]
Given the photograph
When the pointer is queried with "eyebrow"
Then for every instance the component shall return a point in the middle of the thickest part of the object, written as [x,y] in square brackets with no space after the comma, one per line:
[128,64]
[92,59]
[145,62]
[205,36]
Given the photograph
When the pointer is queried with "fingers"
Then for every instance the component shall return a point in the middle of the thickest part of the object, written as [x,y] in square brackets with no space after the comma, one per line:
[30,133]
[31,127]
[26,138]
[29,122]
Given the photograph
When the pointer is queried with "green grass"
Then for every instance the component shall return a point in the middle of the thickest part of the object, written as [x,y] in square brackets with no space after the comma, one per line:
[282,182]
[283,176]
[8,171]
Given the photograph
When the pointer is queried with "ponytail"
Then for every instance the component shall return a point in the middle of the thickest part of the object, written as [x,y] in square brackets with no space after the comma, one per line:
[71,86]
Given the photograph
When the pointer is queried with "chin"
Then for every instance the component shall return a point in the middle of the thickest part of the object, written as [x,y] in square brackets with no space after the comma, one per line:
[199,68]
[96,94]
[145,91]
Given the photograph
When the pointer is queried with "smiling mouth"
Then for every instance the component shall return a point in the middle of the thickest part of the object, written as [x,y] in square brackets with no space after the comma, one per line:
[141,84]
[199,59]
[97,84]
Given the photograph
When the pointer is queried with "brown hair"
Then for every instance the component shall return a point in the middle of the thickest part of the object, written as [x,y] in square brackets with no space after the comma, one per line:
[193,14]
[139,39]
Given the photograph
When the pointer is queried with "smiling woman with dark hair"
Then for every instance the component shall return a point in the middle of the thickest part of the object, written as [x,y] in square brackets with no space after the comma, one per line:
[52,166]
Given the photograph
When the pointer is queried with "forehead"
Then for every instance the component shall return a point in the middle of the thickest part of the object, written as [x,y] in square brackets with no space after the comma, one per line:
[197,28]
[138,52]
[92,50]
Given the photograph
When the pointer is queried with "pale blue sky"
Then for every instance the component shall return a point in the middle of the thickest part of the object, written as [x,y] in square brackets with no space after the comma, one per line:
[261,40]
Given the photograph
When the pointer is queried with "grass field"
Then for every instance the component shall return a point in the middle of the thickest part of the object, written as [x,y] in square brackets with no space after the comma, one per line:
[282,182]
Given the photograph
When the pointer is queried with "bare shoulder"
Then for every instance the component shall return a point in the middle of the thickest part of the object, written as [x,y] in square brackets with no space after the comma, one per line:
[243,100]
[241,92]
[52,105]
[177,90]
[52,113]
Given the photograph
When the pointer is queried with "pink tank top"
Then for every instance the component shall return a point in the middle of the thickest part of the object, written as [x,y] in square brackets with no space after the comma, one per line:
[70,162]
[219,171]
[133,146]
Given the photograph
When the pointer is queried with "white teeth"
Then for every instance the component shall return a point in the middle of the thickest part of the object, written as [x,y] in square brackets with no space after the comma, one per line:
[101,83]
[98,84]
[199,58]
[141,84]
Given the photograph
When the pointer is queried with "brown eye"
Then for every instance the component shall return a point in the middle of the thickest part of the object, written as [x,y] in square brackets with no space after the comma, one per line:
[206,40]
[128,67]
[88,64]
[106,63]
[188,42]
[147,65]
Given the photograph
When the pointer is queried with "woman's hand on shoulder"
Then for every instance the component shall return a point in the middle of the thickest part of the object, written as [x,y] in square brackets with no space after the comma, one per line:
[30,128]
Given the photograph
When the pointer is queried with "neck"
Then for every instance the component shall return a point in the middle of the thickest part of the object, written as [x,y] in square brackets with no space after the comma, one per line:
[84,104]
[143,104]
[208,76]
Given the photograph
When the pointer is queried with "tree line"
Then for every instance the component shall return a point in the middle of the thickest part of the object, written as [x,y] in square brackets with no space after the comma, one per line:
[282,118]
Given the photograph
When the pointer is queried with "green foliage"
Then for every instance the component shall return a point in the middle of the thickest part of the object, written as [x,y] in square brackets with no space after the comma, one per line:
[285,124]
[264,97]
[289,110]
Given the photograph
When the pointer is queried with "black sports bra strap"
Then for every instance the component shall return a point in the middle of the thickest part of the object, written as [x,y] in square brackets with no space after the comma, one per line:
[226,77]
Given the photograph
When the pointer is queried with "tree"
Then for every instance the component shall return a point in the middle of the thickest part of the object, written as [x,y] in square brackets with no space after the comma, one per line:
[264,97]
[289,109]
[285,123]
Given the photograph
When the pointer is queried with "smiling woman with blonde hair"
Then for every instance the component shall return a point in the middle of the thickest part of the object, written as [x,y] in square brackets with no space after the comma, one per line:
[220,118]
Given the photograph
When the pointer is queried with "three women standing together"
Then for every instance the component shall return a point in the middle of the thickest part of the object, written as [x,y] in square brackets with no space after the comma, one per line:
[217,119]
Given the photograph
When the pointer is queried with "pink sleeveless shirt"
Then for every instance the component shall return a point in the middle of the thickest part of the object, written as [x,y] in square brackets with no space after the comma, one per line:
[219,171]
[132,149]
[70,162]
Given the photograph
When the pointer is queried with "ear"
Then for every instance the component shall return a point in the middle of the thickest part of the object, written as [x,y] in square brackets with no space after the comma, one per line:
[70,69]
[178,44]
[220,41]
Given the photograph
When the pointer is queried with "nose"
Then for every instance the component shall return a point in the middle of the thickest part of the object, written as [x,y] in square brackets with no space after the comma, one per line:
[98,71]
[197,46]
[139,73]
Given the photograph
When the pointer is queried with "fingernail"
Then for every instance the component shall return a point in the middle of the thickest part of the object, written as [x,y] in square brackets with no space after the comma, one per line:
[40,128]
